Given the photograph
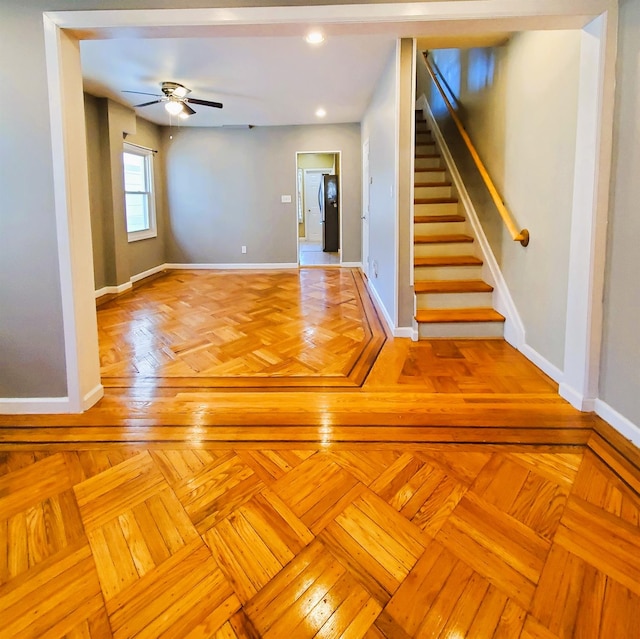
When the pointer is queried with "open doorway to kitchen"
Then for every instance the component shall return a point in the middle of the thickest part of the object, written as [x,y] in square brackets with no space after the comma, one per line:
[319,208]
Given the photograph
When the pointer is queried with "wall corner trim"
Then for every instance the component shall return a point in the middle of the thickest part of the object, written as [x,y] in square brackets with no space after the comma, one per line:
[576,399]
[93,397]
[618,421]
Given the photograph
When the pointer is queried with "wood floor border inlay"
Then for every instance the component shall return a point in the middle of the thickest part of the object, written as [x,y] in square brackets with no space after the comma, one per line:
[280,345]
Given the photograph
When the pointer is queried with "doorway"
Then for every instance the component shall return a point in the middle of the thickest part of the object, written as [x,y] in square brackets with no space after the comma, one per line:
[311,168]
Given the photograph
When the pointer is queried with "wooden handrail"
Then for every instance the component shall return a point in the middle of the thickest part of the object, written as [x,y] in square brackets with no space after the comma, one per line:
[518,236]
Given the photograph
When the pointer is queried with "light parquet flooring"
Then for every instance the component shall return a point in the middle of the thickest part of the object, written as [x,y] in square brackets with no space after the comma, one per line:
[333,541]
[432,489]
[229,329]
[331,374]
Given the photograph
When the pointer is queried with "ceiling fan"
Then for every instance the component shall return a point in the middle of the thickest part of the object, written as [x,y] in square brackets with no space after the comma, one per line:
[174,97]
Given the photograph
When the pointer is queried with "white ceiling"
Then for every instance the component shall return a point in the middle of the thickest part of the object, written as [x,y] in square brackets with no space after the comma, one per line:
[261,81]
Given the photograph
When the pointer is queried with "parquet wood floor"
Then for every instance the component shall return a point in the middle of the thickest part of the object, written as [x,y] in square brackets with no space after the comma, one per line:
[228,329]
[438,489]
[393,390]
[334,541]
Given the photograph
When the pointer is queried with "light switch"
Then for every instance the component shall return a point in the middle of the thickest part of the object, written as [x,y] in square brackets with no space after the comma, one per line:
[286,199]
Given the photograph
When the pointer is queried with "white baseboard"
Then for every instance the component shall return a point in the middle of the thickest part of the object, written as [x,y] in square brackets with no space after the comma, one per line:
[92,397]
[261,267]
[34,405]
[576,399]
[624,426]
[148,273]
[114,290]
[403,331]
[351,265]
[542,363]
[380,306]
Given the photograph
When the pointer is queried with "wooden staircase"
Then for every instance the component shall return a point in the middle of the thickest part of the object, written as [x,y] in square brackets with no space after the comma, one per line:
[452,300]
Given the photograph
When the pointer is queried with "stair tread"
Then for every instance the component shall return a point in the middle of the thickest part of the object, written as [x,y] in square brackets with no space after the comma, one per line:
[427,156]
[452,286]
[435,219]
[435,200]
[448,260]
[434,184]
[459,315]
[442,239]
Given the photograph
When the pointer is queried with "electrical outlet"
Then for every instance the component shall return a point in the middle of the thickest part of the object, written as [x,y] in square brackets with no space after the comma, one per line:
[244,249]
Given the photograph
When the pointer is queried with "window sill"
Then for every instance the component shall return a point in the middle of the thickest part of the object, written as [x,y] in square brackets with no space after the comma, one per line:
[142,235]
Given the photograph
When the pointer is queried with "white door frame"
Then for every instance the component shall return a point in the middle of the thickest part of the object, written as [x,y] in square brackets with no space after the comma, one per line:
[593,169]
[366,206]
[336,154]
[304,191]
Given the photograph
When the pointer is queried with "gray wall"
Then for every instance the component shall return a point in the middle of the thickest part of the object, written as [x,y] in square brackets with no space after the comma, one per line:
[379,126]
[115,259]
[146,254]
[224,191]
[32,353]
[519,104]
[620,375]
[94,117]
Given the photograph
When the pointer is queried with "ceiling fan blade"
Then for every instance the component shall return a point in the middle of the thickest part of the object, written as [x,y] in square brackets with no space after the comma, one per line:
[217,105]
[158,95]
[187,109]
[135,106]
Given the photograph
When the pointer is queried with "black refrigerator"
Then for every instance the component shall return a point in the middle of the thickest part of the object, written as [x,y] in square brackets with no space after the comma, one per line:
[329,213]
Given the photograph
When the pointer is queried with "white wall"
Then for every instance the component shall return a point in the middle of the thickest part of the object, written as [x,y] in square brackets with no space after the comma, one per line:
[224,191]
[620,372]
[380,126]
[519,104]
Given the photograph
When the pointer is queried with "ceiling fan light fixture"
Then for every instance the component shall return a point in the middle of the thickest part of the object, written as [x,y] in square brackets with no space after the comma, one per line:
[315,37]
[180,91]
[174,107]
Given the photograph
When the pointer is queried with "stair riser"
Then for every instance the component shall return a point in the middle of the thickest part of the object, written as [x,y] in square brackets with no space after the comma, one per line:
[428,163]
[439,250]
[425,149]
[424,138]
[428,301]
[465,329]
[447,273]
[440,228]
[442,208]
[427,177]
[432,191]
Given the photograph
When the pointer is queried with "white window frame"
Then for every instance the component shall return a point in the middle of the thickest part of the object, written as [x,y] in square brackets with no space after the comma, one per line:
[152,231]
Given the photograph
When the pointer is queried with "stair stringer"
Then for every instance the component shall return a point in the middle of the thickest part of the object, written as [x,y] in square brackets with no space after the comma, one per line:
[514,332]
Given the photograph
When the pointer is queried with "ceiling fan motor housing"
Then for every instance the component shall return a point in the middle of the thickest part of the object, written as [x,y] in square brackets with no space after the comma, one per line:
[173,89]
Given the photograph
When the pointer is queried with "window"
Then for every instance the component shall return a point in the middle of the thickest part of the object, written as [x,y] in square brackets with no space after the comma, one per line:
[138,193]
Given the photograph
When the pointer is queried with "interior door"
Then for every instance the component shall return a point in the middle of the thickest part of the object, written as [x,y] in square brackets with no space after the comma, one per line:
[313,226]
[366,190]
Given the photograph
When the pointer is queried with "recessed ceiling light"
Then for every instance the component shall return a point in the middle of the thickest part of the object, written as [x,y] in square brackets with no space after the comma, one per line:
[314,37]
[321,113]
